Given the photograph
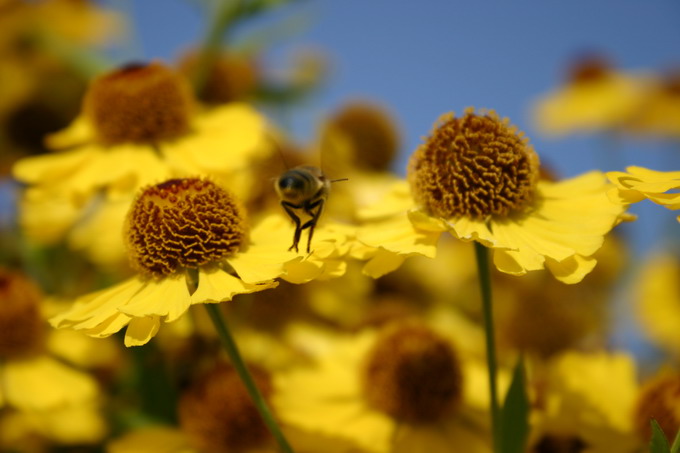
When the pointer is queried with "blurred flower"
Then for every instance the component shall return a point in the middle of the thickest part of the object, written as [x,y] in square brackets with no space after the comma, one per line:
[594,98]
[370,135]
[404,388]
[232,77]
[638,183]
[193,224]
[42,395]
[657,300]
[584,402]
[658,114]
[478,178]
[542,317]
[659,399]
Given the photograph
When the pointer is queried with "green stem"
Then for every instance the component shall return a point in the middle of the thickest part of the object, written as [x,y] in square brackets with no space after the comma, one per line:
[236,360]
[484,273]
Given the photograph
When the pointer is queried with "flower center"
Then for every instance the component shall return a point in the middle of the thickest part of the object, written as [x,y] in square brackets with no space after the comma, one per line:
[371,133]
[589,68]
[140,104]
[474,166]
[412,374]
[22,328]
[230,78]
[559,444]
[659,400]
[217,414]
[183,223]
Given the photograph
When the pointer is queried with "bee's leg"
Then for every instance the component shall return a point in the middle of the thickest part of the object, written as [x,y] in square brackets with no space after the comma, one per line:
[311,224]
[289,208]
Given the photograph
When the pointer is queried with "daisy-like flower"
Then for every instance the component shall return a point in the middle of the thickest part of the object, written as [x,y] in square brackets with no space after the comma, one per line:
[39,392]
[657,300]
[478,178]
[638,183]
[659,112]
[658,399]
[594,98]
[401,389]
[139,125]
[584,403]
[183,230]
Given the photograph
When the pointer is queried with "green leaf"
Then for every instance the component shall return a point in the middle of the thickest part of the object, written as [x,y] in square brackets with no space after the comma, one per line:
[514,419]
[659,443]
[676,443]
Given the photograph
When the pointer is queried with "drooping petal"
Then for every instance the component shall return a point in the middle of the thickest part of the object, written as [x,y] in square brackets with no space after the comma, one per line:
[215,285]
[141,330]
[566,226]
[95,310]
[168,298]
[638,183]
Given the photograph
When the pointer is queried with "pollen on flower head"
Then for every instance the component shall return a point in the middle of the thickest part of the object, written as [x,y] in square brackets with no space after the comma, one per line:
[412,374]
[474,166]
[217,413]
[22,328]
[372,134]
[183,223]
[139,103]
[659,400]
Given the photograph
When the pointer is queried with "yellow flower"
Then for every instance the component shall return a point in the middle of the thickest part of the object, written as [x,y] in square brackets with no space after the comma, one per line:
[638,183]
[139,126]
[38,389]
[659,112]
[658,399]
[183,227]
[477,178]
[403,389]
[657,300]
[580,407]
[595,98]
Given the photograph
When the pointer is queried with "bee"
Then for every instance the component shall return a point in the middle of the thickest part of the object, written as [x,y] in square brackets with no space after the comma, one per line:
[303,190]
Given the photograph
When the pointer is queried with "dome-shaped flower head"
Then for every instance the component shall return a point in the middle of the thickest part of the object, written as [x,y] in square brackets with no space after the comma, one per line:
[477,177]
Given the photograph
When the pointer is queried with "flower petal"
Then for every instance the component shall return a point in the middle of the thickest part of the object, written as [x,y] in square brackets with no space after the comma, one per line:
[215,285]
[141,330]
[571,270]
[167,298]
[43,383]
[93,309]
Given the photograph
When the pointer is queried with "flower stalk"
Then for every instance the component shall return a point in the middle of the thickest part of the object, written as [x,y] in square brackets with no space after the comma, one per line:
[484,273]
[235,356]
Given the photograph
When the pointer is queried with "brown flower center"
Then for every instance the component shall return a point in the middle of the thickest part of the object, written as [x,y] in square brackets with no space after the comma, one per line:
[589,68]
[218,415]
[412,374]
[559,444]
[139,104]
[474,166]
[659,400]
[230,78]
[183,223]
[371,133]
[22,328]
